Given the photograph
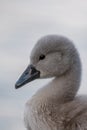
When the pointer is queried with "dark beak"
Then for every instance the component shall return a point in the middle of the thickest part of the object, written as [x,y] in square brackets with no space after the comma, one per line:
[28,75]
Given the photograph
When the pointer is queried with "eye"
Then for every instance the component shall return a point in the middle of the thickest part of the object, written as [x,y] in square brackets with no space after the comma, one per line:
[42,56]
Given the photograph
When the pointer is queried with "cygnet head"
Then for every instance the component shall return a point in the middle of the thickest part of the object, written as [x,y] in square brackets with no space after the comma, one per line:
[52,56]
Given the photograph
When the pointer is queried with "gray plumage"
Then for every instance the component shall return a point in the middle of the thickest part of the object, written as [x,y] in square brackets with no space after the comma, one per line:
[56,106]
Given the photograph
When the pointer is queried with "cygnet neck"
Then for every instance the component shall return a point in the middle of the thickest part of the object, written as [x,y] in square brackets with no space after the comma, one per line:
[65,87]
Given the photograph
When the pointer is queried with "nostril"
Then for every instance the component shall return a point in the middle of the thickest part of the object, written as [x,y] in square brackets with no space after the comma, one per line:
[30,70]
[26,72]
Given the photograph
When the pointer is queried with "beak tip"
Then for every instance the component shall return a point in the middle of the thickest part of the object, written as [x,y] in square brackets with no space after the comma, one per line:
[16,86]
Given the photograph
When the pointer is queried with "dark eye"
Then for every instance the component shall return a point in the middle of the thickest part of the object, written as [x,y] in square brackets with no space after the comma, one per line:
[41,57]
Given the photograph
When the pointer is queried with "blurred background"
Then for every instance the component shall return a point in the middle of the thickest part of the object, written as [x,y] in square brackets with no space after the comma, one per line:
[22,23]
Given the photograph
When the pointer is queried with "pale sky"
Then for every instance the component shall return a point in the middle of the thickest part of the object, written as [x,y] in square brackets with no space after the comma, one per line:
[22,23]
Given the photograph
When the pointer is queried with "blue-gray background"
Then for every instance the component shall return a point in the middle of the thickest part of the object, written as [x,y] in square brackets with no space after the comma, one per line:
[22,22]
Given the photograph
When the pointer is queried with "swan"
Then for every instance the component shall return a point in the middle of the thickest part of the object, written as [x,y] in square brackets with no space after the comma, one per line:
[56,106]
